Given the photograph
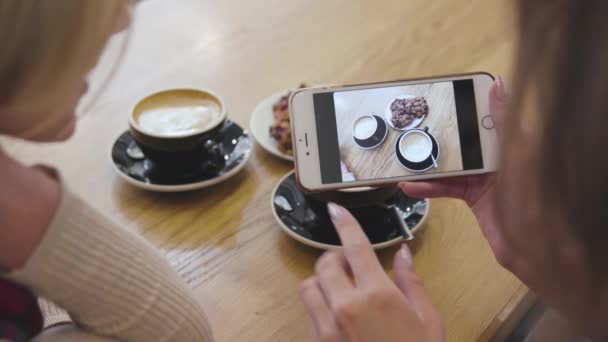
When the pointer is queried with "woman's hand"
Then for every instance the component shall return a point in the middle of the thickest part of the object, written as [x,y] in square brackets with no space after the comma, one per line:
[478,190]
[350,297]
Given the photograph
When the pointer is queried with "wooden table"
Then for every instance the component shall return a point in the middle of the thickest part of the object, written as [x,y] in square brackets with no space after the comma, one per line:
[223,240]
[382,162]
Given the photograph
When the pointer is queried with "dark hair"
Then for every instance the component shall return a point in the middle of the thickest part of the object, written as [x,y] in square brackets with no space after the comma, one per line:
[559,178]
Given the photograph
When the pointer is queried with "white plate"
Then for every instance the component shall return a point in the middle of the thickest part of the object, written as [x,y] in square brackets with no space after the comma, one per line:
[388,115]
[260,122]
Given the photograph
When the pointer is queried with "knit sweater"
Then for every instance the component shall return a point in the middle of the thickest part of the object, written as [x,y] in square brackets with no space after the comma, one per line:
[112,282]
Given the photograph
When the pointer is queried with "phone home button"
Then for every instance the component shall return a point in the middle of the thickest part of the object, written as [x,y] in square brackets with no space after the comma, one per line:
[487,122]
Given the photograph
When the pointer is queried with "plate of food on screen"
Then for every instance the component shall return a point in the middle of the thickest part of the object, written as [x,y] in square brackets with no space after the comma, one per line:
[406,112]
[270,124]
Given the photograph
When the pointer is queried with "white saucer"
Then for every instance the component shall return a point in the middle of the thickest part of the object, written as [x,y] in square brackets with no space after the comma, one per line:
[260,122]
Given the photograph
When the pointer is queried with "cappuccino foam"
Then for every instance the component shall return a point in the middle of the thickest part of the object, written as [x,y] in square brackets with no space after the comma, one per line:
[416,147]
[365,127]
[178,114]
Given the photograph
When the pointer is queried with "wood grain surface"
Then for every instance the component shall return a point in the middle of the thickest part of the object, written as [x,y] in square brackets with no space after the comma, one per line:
[224,240]
[382,162]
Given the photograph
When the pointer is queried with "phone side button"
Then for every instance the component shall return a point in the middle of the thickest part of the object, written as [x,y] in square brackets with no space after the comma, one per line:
[487,122]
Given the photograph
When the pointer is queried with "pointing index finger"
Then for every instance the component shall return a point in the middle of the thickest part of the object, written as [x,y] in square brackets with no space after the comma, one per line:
[357,249]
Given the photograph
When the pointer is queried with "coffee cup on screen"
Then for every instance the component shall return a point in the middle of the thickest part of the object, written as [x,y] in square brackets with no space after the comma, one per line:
[417,150]
[416,146]
[176,127]
[369,131]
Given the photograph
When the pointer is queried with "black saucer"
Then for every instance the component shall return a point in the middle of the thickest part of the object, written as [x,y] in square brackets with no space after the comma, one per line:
[234,145]
[420,166]
[306,219]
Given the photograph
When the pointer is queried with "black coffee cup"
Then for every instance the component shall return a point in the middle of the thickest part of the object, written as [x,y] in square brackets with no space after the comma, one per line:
[357,197]
[417,158]
[369,131]
[178,128]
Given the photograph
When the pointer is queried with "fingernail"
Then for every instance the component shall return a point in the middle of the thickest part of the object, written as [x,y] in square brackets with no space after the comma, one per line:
[406,254]
[501,92]
[335,211]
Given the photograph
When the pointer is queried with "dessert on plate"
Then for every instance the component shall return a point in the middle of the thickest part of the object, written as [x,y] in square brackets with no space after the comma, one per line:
[280,130]
[405,110]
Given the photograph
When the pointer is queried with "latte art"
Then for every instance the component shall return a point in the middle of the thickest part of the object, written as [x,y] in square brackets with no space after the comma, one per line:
[365,127]
[179,120]
[178,113]
[416,147]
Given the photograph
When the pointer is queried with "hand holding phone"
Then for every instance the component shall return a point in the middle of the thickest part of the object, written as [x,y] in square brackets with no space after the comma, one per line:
[386,133]
[476,190]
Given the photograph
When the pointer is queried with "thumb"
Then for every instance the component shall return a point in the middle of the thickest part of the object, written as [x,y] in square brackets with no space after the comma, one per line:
[411,286]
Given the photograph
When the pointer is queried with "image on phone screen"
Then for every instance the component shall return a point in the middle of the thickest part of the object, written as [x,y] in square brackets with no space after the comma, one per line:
[396,131]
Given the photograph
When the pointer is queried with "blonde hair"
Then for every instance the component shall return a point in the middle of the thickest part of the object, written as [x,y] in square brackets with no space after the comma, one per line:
[47,46]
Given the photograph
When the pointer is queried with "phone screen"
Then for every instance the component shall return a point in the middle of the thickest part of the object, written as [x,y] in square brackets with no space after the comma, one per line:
[396,131]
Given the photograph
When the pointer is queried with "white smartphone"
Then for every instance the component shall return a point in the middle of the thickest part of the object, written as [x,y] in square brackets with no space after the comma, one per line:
[383,133]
